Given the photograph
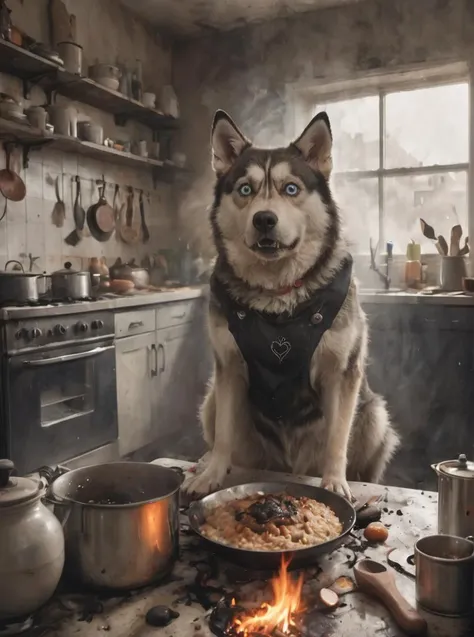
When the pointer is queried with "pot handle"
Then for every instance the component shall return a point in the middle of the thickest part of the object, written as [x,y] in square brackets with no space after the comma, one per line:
[61,508]
[435,468]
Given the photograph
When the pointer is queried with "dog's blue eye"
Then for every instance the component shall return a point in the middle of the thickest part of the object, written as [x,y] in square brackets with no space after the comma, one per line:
[245,190]
[292,190]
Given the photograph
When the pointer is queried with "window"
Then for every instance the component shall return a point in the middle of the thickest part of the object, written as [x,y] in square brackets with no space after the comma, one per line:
[399,156]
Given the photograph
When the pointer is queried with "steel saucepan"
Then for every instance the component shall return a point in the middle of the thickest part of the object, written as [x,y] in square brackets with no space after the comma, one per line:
[271,560]
[19,286]
[121,523]
[70,284]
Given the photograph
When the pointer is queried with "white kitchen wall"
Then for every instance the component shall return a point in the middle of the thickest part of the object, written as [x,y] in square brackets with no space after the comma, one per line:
[109,34]
[27,227]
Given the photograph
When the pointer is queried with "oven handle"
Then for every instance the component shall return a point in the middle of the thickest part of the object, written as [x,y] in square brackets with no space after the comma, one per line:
[67,357]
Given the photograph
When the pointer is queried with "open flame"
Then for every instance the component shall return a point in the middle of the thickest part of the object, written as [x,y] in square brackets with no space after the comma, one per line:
[280,614]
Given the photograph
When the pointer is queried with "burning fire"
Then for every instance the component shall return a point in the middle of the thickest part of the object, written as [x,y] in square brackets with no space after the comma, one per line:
[280,614]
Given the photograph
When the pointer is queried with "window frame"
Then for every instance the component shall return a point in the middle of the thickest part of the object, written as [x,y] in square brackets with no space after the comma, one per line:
[306,96]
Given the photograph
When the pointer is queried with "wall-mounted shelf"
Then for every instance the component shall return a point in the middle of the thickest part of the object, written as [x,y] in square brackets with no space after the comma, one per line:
[23,64]
[29,137]
[30,67]
[85,90]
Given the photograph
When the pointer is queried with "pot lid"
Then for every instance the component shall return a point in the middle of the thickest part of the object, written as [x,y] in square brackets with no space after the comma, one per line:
[14,490]
[460,468]
[68,269]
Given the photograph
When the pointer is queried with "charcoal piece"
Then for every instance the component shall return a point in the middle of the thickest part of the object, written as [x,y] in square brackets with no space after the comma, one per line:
[160,616]
[367,515]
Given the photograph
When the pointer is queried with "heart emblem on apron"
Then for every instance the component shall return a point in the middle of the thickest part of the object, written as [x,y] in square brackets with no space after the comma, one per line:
[281,348]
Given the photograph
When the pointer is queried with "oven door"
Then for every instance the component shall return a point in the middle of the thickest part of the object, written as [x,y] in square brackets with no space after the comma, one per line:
[60,404]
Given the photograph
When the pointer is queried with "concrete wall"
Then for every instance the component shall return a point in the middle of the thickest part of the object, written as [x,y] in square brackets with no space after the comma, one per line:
[248,71]
[108,33]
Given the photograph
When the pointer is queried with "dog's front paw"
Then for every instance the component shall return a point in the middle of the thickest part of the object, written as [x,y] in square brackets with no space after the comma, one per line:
[211,479]
[338,485]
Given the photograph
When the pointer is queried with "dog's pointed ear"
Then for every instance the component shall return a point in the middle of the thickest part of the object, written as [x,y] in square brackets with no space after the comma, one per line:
[315,144]
[227,142]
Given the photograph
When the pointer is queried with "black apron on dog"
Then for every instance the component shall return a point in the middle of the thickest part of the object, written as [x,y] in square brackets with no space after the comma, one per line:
[278,348]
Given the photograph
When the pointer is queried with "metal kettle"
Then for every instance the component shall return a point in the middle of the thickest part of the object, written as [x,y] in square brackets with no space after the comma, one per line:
[31,547]
[455,497]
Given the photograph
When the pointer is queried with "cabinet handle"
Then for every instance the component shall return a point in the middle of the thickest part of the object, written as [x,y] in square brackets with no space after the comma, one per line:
[163,366]
[154,371]
[179,316]
[135,324]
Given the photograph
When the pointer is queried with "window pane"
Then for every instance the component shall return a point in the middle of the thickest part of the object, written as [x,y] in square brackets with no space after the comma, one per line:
[357,200]
[440,199]
[355,129]
[427,126]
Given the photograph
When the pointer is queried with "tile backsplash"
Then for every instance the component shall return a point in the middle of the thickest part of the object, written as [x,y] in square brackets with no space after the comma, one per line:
[28,229]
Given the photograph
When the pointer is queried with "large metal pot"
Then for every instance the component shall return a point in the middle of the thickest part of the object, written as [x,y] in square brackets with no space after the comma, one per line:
[70,284]
[31,547]
[18,286]
[455,497]
[121,523]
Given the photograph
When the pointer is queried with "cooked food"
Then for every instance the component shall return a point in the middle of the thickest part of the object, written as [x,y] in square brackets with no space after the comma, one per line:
[271,523]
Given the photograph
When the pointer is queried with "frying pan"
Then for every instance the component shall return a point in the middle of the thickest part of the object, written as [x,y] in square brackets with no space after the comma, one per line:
[100,217]
[12,185]
[271,560]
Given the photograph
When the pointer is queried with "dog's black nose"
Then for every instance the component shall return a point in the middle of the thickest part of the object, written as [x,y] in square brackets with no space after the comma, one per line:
[265,220]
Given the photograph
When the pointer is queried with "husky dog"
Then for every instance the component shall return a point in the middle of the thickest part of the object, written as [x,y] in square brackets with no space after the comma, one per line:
[289,390]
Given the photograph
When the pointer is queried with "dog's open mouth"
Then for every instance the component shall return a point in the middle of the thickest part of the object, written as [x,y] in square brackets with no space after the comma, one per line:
[271,246]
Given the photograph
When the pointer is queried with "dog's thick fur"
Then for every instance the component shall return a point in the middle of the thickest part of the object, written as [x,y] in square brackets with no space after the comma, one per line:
[353,440]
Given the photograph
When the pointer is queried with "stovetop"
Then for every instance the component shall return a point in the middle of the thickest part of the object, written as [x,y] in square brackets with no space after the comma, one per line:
[48,301]
[70,329]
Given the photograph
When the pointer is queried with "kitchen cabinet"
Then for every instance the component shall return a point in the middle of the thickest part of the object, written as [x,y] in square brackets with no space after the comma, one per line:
[421,359]
[161,378]
[175,378]
[136,388]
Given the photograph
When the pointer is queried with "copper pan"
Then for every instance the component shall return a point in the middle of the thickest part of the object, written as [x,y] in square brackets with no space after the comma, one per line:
[12,185]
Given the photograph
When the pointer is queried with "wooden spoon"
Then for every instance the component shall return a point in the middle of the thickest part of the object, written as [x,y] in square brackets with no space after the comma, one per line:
[59,211]
[456,234]
[377,580]
[464,250]
[442,245]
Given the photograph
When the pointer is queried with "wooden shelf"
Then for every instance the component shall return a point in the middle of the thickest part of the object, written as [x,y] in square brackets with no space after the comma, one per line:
[19,62]
[23,64]
[87,91]
[28,136]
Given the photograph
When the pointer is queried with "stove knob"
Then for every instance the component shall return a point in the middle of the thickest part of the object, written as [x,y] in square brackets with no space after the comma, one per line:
[97,325]
[60,330]
[35,333]
[81,327]
[21,334]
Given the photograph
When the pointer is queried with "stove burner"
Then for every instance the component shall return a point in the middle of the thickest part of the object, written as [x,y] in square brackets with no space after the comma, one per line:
[38,303]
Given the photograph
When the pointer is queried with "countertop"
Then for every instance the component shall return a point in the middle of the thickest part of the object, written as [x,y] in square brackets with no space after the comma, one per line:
[111,302]
[415,298]
[143,299]
[409,513]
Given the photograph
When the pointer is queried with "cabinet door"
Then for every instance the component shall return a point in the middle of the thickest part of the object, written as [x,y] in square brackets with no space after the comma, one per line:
[175,377]
[136,373]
